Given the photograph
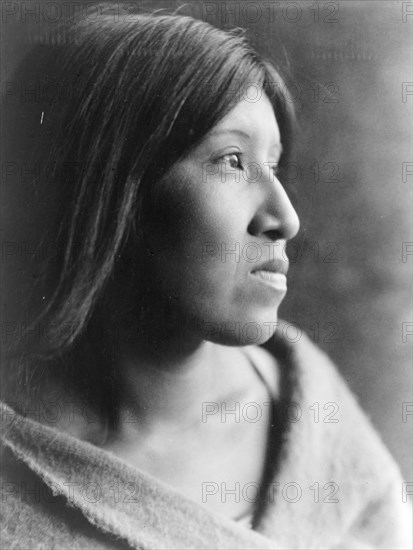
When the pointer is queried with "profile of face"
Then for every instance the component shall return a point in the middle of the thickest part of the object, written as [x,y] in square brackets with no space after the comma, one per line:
[223,219]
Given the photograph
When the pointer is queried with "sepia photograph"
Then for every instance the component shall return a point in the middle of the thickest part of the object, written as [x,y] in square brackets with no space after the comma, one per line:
[206,275]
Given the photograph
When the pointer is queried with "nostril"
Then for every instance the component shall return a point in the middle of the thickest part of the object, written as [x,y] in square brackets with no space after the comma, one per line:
[274,234]
[267,227]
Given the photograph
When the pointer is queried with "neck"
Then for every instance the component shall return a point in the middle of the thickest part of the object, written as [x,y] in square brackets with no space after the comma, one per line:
[167,371]
[168,385]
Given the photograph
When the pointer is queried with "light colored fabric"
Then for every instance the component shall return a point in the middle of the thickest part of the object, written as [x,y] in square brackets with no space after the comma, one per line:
[336,487]
[246,520]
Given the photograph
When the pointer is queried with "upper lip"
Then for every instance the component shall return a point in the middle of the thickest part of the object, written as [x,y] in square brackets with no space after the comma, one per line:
[276,266]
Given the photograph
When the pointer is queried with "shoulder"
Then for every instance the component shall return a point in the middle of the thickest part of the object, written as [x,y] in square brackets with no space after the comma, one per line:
[333,446]
[34,514]
[328,407]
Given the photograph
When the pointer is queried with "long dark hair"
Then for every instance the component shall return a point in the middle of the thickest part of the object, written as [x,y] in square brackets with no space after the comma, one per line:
[138,95]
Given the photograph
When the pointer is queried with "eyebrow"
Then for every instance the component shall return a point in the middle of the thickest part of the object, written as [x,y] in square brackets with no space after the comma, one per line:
[244,134]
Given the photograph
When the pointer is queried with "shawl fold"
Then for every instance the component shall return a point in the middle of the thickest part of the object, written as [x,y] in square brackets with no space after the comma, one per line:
[336,485]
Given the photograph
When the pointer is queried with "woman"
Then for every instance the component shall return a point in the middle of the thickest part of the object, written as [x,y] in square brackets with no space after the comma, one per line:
[144,412]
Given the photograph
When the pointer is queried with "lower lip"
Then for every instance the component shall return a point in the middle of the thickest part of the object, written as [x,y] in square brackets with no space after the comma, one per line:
[277,281]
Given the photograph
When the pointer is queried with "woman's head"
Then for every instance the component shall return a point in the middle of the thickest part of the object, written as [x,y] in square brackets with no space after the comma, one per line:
[129,140]
[217,241]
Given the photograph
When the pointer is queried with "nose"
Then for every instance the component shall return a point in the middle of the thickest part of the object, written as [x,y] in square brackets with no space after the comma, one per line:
[275,217]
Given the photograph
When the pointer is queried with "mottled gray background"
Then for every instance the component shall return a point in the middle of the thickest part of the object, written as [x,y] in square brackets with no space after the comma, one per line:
[349,287]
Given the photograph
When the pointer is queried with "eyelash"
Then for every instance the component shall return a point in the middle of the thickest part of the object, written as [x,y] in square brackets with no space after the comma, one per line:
[275,168]
[238,155]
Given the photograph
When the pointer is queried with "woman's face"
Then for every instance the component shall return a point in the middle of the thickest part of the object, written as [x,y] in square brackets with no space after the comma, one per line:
[223,219]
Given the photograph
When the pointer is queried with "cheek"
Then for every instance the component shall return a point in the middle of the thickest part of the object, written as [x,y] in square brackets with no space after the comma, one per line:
[195,232]
[194,223]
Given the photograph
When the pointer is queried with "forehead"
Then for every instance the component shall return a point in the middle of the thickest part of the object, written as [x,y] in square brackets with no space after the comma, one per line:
[256,118]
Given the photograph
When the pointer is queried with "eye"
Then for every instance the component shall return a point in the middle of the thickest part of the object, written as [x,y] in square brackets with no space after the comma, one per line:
[234,160]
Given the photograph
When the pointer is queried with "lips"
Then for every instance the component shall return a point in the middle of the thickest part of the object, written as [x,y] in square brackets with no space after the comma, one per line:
[273,266]
[273,274]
